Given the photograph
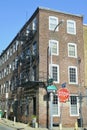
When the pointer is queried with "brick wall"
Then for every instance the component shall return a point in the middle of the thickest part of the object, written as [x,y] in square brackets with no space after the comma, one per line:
[62,59]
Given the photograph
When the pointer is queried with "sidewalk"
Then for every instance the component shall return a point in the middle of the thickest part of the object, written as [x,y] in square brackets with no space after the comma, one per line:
[22,126]
[18,125]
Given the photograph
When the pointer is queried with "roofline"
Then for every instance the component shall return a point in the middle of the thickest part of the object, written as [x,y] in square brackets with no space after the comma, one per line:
[57,11]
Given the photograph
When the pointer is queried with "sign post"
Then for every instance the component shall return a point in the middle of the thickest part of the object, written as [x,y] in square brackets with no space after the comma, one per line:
[51,89]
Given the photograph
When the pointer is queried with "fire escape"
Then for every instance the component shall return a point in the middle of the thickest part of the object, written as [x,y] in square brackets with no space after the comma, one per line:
[27,72]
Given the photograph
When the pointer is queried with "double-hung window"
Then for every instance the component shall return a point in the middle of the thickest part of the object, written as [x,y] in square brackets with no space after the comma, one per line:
[73,77]
[53,22]
[72,50]
[54,72]
[74,106]
[53,47]
[71,27]
[55,106]
[34,26]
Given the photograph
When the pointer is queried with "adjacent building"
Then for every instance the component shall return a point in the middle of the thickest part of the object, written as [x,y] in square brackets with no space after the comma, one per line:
[49,45]
[85,51]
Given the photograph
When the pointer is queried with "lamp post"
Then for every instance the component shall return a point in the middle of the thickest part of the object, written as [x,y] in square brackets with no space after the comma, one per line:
[51,89]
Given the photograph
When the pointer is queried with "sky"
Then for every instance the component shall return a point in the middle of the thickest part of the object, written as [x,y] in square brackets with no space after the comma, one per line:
[15,13]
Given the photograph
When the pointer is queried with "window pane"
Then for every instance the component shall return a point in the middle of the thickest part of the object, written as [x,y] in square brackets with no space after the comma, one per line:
[71,27]
[54,72]
[53,22]
[55,75]
[35,24]
[55,105]
[71,50]
[53,47]
[72,72]
[74,107]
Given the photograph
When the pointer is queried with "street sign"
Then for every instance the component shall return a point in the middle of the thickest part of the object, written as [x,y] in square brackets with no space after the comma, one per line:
[51,88]
[63,94]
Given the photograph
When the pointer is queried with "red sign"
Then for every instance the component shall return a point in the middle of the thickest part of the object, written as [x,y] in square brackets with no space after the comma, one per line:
[63,94]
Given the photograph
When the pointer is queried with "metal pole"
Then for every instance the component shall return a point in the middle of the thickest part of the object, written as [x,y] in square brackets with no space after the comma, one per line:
[51,112]
[51,60]
[80,101]
[80,93]
[61,116]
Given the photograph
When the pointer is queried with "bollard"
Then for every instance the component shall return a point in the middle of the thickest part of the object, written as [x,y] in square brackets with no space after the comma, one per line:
[76,125]
[14,120]
[36,125]
[60,126]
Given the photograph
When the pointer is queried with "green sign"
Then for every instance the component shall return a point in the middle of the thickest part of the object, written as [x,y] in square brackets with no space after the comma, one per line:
[51,88]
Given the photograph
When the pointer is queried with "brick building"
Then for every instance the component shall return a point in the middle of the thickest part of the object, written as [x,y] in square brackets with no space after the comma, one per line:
[50,44]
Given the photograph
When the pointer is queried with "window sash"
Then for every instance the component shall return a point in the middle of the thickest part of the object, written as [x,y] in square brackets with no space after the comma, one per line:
[72,50]
[55,106]
[54,70]
[54,47]
[53,22]
[73,75]
[34,24]
[71,27]
[74,106]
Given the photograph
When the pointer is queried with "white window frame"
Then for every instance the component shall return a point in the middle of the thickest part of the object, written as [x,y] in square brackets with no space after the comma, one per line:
[75,46]
[34,24]
[50,23]
[50,47]
[51,71]
[76,75]
[14,47]
[69,28]
[34,48]
[8,52]
[11,51]
[57,107]
[77,107]
[10,68]
[17,44]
